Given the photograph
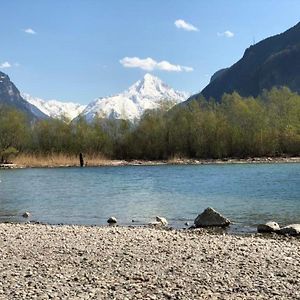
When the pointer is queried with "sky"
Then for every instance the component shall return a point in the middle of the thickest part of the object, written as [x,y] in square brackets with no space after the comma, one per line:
[79,50]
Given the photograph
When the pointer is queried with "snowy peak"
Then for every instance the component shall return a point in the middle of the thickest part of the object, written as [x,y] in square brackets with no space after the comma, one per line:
[148,93]
[148,85]
[54,108]
[154,88]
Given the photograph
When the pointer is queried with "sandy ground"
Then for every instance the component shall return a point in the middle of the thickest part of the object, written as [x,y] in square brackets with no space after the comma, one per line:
[77,262]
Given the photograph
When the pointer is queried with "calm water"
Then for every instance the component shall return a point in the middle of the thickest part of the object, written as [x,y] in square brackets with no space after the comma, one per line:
[247,194]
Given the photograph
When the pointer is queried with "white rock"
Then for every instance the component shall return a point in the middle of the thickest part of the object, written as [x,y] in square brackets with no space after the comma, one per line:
[209,218]
[162,220]
[268,227]
[293,229]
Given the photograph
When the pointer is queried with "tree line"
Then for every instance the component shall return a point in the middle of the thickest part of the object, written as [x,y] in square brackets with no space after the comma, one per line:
[268,125]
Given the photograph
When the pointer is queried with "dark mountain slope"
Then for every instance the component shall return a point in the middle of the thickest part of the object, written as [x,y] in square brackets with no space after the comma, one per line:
[10,97]
[218,74]
[274,61]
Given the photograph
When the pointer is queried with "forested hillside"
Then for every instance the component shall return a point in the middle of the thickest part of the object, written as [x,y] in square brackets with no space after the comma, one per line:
[273,62]
[237,127]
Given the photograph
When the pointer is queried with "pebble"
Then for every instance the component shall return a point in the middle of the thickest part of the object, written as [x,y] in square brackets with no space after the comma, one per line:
[26,214]
[81,262]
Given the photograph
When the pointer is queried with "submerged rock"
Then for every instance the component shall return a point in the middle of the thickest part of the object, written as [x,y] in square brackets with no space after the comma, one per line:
[268,227]
[26,214]
[211,218]
[162,220]
[112,220]
[293,229]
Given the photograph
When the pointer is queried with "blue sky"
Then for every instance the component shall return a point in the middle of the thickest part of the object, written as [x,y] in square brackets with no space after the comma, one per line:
[83,49]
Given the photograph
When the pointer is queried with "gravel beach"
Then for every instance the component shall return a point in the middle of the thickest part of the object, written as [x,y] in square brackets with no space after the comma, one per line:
[56,162]
[77,262]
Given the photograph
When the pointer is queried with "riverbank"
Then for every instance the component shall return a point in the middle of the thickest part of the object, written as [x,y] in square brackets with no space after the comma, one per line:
[56,161]
[77,262]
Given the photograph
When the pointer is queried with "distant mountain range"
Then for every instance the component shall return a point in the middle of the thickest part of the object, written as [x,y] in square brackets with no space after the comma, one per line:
[273,62]
[148,93]
[54,108]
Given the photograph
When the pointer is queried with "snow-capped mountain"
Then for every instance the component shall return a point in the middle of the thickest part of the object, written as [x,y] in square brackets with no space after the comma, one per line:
[147,93]
[54,108]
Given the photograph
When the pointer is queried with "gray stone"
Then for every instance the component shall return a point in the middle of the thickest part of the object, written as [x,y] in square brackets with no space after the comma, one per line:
[26,214]
[293,229]
[112,220]
[210,218]
[162,220]
[268,227]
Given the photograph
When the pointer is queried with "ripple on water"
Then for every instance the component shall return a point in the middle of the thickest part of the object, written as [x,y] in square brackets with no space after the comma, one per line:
[247,194]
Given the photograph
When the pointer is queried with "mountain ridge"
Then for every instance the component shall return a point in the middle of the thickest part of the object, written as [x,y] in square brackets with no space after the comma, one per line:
[55,108]
[10,97]
[274,61]
[148,93]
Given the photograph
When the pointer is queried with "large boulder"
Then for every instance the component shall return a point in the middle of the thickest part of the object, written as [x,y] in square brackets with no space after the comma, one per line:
[211,218]
[268,227]
[293,229]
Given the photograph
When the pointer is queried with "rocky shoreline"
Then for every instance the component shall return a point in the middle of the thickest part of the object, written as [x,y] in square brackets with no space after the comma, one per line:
[175,161]
[111,262]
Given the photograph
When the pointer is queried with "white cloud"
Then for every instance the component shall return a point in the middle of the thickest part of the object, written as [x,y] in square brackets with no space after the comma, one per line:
[185,26]
[149,64]
[5,65]
[29,31]
[227,33]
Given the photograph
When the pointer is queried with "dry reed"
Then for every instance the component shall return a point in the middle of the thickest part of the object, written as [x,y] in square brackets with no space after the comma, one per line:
[58,160]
